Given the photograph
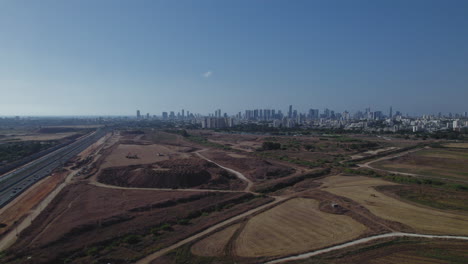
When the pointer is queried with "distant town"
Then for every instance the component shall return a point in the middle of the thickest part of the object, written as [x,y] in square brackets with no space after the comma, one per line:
[365,121]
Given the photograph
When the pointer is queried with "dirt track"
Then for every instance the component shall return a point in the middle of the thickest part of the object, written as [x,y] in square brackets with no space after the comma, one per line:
[360,241]
[368,165]
[238,174]
[157,254]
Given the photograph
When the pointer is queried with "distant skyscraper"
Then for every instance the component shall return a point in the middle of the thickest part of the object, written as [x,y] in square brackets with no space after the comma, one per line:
[290,111]
[183,113]
[391,112]
[164,115]
[138,114]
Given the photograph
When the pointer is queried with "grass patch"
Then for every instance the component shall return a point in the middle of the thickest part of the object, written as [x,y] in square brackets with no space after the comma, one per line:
[408,179]
[430,196]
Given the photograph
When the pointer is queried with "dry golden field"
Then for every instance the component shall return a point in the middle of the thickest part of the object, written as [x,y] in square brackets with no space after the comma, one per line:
[442,163]
[456,145]
[292,227]
[214,245]
[423,220]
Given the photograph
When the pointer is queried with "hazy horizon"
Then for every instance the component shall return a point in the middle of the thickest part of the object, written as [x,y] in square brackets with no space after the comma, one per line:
[104,58]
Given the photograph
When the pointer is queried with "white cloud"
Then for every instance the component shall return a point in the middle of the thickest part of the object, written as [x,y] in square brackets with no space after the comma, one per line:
[207,74]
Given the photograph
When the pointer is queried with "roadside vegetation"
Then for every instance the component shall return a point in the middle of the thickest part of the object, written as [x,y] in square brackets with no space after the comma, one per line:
[13,151]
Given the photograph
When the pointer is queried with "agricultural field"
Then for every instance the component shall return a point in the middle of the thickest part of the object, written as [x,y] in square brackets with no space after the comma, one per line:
[404,251]
[52,133]
[421,219]
[215,245]
[291,227]
[143,191]
[295,226]
[435,197]
[442,163]
[456,145]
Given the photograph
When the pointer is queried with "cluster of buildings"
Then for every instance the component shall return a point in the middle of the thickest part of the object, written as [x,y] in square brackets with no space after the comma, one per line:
[366,120]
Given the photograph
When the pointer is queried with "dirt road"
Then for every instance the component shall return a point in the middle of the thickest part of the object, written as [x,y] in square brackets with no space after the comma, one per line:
[360,241]
[238,174]
[11,237]
[103,185]
[368,165]
[164,251]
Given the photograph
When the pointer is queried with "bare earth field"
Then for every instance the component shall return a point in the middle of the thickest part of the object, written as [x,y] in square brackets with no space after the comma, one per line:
[443,163]
[88,216]
[292,227]
[44,137]
[423,220]
[145,191]
[146,154]
[247,143]
[179,173]
[28,200]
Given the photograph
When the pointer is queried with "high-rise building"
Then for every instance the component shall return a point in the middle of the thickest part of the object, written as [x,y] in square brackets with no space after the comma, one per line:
[183,114]
[391,112]
[290,111]
[138,114]
[164,115]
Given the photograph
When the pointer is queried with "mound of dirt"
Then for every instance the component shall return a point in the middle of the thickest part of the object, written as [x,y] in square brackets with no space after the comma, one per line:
[180,173]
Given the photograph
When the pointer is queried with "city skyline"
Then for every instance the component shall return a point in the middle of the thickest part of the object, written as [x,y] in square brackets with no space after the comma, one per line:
[110,57]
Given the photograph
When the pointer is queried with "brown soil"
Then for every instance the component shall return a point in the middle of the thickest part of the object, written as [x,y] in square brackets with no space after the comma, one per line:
[179,173]
[254,168]
[85,216]
[20,207]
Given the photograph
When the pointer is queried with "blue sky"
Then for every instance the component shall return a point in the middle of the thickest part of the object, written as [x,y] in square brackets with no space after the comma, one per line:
[113,57]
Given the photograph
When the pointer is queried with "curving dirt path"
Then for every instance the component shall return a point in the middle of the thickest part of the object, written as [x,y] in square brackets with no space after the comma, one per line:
[103,185]
[238,174]
[159,253]
[368,165]
[360,241]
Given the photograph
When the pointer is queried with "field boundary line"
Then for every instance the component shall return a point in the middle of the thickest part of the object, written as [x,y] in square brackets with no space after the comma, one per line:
[361,241]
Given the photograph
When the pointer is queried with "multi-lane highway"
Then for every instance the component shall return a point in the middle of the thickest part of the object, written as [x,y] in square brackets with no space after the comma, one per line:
[14,183]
